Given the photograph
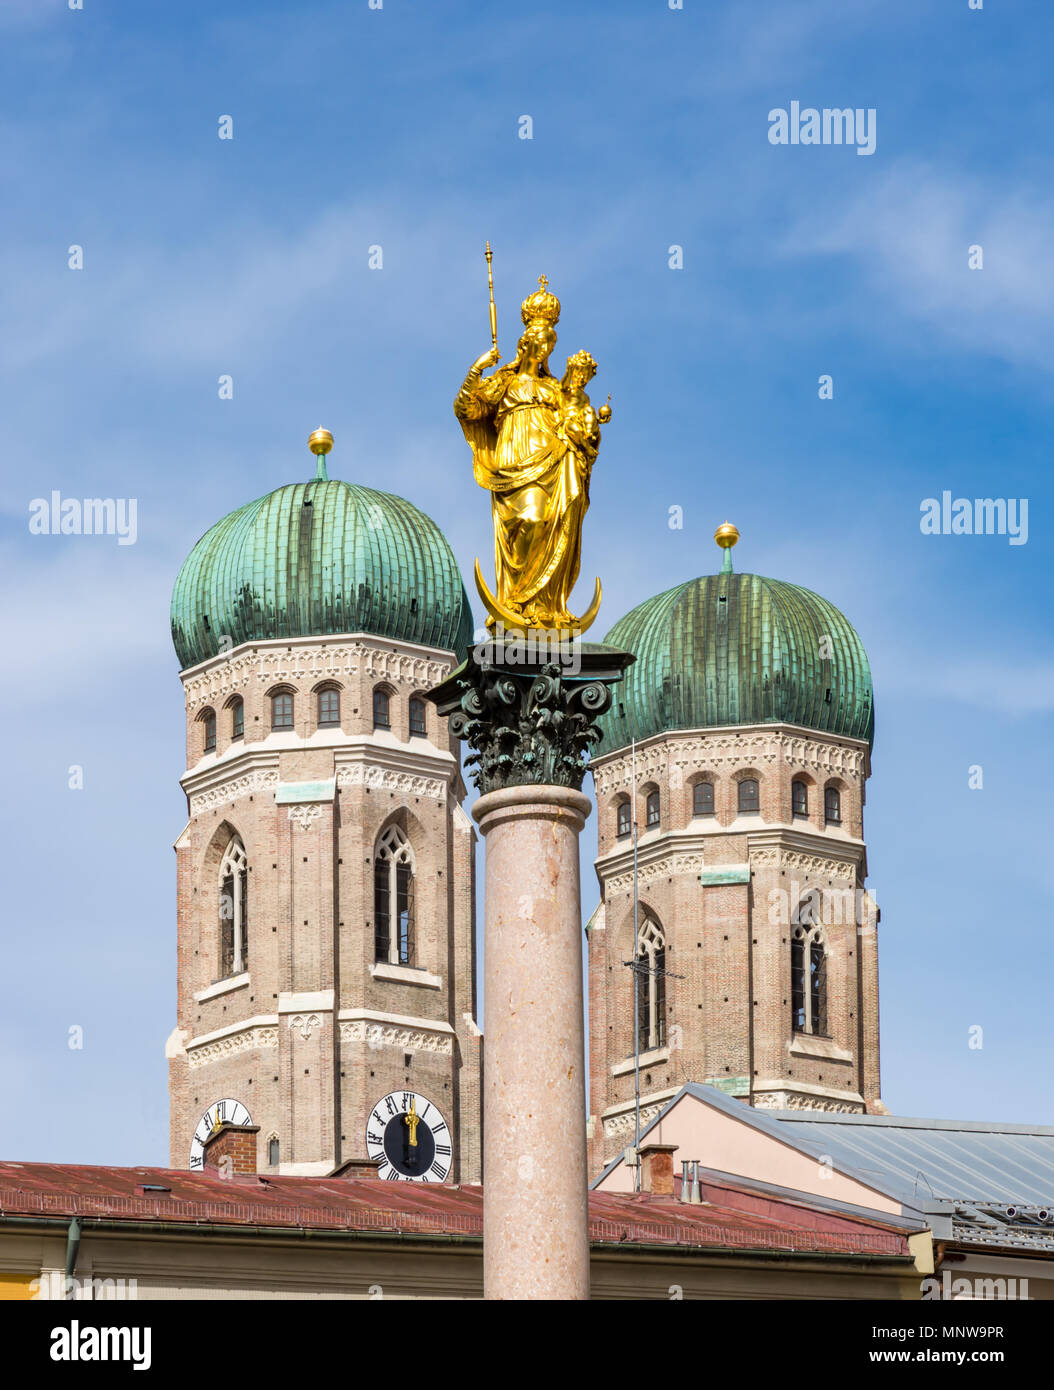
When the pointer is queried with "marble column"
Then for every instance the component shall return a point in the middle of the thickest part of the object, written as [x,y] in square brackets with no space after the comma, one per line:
[532,725]
[535,1202]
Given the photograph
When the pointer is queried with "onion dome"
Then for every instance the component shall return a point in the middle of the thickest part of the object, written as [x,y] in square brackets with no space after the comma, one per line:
[317,558]
[733,648]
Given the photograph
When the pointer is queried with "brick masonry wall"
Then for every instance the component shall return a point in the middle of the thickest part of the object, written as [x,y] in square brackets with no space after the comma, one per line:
[729,1013]
[314,1037]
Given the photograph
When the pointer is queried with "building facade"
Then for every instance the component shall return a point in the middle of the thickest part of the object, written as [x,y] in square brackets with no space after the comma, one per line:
[325,923]
[733,773]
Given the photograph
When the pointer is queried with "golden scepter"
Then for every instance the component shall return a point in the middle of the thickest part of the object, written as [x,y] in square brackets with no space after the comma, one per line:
[493,311]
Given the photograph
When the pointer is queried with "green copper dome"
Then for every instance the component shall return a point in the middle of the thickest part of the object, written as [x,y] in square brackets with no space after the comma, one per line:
[315,558]
[739,649]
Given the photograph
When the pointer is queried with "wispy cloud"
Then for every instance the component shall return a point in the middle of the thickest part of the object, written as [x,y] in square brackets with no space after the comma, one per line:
[910,235]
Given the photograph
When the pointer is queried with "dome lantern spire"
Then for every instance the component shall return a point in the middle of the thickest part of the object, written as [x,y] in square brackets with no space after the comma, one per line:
[320,443]
[726,536]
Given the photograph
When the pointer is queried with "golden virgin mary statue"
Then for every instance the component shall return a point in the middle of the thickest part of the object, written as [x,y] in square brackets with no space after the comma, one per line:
[534,440]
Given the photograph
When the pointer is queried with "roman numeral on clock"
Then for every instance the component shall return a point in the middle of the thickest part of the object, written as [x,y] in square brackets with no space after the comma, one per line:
[442,1148]
[438,1169]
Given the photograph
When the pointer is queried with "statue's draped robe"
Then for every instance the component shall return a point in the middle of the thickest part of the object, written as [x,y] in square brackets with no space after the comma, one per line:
[539,488]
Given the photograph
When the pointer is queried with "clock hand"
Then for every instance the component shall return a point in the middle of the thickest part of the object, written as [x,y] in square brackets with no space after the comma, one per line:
[413,1120]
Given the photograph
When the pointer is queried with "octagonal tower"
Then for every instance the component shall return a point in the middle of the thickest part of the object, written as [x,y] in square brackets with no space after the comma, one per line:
[326,873]
[739,749]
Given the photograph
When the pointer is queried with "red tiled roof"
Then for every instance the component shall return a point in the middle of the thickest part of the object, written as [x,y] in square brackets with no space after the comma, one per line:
[730,1218]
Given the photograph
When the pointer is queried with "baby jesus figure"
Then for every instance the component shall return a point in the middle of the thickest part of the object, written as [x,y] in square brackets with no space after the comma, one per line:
[579,422]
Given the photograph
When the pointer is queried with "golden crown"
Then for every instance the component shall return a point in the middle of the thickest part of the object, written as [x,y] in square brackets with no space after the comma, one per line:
[541,304]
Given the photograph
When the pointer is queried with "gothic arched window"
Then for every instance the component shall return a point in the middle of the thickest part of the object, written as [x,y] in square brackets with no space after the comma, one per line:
[237,719]
[651,810]
[799,798]
[651,984]
[234,916]
[623,820]
[381,709]
[808,981]
[282,710]
[273,1151]
[418,726]
[328,706]
[393,898]
[748,795]
[703,799]
[832,806]
[209,720]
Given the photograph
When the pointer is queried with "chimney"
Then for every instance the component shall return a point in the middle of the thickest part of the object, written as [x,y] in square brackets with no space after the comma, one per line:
[656,1169]
[357,1168]
[232,1149]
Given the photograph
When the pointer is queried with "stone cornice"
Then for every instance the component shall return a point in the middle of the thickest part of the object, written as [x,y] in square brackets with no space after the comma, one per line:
[809,854]
[251,1033]
[685,852]
[308,660]
[377,1030]
[675,753]
[420,769]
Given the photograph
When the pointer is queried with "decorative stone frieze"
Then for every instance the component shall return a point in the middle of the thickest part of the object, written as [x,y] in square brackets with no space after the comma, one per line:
[246,1040]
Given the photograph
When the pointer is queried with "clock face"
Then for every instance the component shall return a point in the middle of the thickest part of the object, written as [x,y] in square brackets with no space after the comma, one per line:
[410,1137]
[231,1111]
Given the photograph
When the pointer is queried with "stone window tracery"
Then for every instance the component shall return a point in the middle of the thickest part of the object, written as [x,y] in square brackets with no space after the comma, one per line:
[651,984]
[393,898]
[234,901]
[808,980]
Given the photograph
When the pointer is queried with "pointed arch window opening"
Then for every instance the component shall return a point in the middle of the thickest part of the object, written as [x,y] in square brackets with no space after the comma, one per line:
[234,910]
[393,899]
[650,972]
[809,981]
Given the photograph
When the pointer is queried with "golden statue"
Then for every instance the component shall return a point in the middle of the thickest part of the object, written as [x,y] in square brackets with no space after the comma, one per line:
[534,441]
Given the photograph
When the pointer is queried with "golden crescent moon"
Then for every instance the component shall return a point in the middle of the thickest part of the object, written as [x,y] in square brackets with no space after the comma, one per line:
[513,622]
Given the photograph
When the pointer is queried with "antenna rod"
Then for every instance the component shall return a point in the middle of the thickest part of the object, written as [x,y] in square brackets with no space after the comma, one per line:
[493,311]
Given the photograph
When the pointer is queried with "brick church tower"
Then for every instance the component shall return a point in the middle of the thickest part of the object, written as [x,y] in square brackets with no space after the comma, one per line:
[326,954]
[740,744]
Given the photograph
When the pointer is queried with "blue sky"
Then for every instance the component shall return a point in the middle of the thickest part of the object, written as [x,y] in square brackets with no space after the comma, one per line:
[399,127]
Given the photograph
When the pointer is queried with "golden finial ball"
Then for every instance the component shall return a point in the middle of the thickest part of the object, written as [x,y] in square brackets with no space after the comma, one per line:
[726,535]
[320,442]
[604,414]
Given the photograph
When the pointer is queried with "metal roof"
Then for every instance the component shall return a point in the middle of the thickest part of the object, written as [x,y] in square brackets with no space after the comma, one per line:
[739,649]
[318,557]
[918,1160]
[978,1183]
